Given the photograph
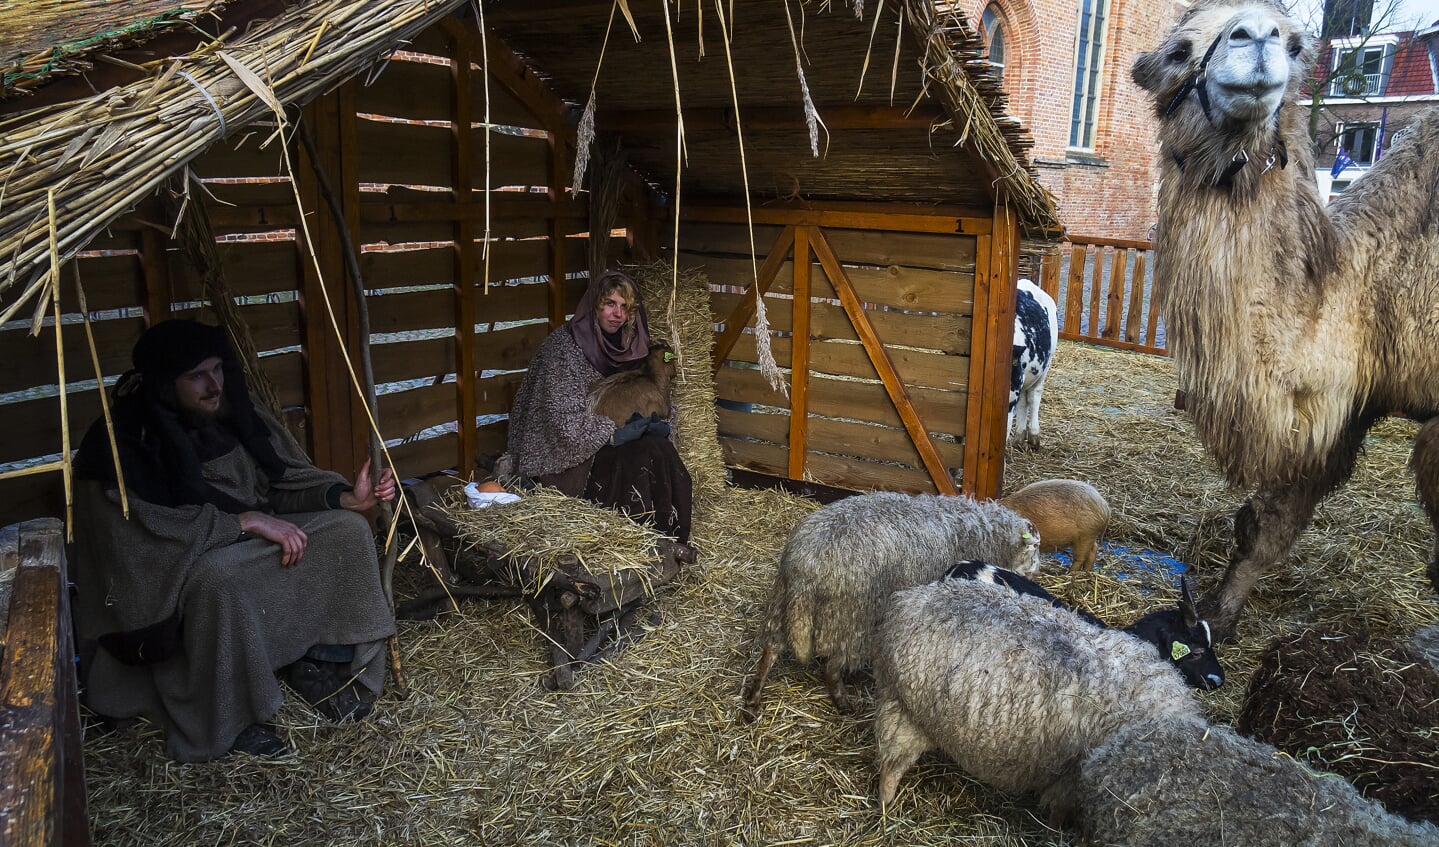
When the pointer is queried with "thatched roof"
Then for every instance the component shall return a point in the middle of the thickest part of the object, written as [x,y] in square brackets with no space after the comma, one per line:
[51,38]
[898,89]
[892,138]
[102,154]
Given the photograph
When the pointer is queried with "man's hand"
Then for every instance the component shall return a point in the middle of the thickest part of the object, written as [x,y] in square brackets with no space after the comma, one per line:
[367,495]
[291,538]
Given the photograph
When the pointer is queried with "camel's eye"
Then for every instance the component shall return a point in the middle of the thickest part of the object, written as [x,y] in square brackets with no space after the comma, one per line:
[1179,53]
[1295,46]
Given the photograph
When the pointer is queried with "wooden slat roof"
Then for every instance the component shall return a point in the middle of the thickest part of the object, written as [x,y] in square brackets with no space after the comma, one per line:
[897,89]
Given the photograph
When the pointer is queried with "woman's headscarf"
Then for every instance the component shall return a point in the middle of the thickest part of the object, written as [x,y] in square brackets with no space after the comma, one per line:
[634,343]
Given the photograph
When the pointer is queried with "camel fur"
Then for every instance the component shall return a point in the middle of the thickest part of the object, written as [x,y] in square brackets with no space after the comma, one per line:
[1293,326]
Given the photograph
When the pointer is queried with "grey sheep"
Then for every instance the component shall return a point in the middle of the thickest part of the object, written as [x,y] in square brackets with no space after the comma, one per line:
[1178,781]
[844,560]
[1014,689]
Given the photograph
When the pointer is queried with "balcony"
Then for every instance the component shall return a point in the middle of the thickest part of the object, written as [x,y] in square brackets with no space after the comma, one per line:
[1357,85]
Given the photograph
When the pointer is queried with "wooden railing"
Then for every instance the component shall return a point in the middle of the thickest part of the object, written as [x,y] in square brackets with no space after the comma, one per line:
[1103,289]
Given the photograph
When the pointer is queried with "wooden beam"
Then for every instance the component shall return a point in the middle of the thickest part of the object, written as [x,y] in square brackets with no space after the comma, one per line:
[1136,301]
[1114,304]
[974,454]
[799,358]
[887,217]
[503,204]
[999,354]
[744,310]
[465,255]
[1121,243]
[898,394]
[510,71]
[763,118]
[1074,297]
[156,267]
[558,180]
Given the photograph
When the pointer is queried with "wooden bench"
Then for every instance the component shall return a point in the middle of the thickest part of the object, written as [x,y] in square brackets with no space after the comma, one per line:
[42,774]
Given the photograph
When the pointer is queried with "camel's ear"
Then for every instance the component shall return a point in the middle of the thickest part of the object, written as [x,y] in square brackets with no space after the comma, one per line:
[1148,70]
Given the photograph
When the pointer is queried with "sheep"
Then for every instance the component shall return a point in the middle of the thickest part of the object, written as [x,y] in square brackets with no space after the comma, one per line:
[1015,690]
[1036,334]
[1424,462]
[1179,780]
[843,560]
[644,391]
[1067,513]
[1179,634]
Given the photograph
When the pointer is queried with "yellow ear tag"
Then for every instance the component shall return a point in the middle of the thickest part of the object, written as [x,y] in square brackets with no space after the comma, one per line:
[669,357]
[1178,651]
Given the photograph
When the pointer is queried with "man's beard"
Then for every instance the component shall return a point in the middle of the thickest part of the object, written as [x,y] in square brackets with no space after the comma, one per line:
[195,419]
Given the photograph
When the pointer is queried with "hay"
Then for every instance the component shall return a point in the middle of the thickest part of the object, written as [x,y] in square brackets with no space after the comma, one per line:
[557,532]
[646,750]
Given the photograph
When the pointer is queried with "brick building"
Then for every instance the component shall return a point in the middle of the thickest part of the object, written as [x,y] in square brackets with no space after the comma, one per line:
[1369,87]
[1066,70]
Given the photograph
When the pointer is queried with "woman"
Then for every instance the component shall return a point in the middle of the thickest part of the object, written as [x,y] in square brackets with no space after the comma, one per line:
[556,440]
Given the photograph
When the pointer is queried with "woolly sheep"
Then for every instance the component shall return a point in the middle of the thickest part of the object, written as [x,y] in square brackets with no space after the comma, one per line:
[1067,513]
[1182,781]
[644,391]
[843,561]
[1015,690]
[1178,633]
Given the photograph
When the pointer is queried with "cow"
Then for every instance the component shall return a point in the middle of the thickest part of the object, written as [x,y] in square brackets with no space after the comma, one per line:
[1036,333]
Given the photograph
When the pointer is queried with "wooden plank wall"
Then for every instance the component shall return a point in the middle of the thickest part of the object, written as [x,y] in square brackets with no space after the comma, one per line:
[918,293]
[408,161]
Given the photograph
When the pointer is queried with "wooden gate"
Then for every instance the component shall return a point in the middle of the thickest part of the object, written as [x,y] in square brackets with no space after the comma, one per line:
[892,383]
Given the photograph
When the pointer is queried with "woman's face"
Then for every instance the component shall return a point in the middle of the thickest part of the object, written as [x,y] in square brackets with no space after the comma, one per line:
[613,311]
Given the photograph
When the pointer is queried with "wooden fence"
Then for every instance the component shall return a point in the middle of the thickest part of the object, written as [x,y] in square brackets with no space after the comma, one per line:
[1105,296]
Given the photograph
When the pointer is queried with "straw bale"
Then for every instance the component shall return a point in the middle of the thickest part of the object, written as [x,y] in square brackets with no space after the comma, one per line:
[646,749]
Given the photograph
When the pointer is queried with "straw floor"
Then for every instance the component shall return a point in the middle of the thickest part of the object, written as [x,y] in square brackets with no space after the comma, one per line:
[646,750]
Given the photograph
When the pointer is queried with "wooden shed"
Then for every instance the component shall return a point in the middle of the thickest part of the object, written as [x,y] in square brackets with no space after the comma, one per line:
[269,165]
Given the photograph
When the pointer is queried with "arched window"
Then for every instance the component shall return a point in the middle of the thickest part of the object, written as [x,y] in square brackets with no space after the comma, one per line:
[992,26]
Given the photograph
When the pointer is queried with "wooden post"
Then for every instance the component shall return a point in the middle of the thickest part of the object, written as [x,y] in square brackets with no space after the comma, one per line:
[1114,306]
[1095,289]
[974,454]
[999,355]
[467,258]
[1136,301]
[1049,275]
[1074,298]
[558,180]
[799,358]
[339,428]
[156,268]
[898,394]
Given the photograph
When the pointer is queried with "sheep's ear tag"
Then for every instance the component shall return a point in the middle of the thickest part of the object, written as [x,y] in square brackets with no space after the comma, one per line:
[1027,536]
[669,357]
[1178,650]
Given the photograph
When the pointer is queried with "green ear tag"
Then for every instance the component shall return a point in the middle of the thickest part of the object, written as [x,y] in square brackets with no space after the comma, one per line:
[669,357]
[1178,651]
[1027,537]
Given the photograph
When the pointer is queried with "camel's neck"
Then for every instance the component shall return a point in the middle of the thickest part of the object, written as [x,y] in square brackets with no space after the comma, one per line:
[1243,271]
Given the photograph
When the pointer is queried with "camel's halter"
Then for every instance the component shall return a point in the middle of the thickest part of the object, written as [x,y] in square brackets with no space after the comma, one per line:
[1196,84]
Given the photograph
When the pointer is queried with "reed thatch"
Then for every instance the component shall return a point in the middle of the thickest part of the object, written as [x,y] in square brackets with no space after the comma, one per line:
[52,38]
[103,154]
[646,749]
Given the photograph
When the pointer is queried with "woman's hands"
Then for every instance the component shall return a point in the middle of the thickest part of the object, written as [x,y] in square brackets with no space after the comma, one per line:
[291,538]
[367,494]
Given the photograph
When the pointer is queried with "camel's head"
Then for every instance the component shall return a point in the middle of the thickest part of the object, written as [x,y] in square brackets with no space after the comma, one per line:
[1221,74]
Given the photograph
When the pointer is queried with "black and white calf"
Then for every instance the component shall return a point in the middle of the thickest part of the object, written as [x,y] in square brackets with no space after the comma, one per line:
[1179,634]
[1036,333]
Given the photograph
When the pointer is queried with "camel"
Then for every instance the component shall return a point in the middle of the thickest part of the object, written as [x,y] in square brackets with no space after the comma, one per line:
[1293,327]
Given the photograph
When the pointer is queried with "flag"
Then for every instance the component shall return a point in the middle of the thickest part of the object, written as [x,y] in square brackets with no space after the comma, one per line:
[1341,162]
[1379,139]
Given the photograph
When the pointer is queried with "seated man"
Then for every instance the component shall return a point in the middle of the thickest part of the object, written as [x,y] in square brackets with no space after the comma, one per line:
[556,440]
[239,559]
